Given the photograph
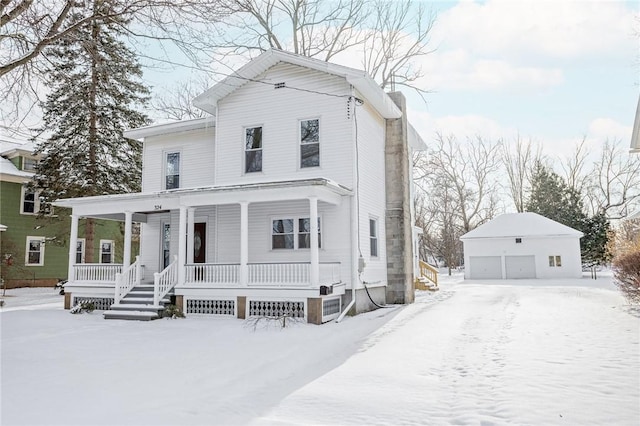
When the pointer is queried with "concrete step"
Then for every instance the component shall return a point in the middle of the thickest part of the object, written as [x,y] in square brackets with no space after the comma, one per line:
[142,300]
[131,315]
[136,307]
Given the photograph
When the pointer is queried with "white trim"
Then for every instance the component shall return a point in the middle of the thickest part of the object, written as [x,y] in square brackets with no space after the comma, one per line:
[36,202]
[113,250]
[26,255]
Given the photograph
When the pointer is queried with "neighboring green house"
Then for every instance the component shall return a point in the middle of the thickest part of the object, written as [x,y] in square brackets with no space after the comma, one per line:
[34,247]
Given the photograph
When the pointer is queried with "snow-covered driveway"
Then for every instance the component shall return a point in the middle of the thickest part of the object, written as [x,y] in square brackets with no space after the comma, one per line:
[560,353]
[490,354]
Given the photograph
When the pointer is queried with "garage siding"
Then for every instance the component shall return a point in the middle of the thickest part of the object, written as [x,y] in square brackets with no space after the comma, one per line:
[485,267]
[521,267]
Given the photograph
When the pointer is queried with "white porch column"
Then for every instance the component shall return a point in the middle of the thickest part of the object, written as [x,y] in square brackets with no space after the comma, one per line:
[73,245]
[182,244]
[191,211]
[313,230]
[244,243]
[126,253]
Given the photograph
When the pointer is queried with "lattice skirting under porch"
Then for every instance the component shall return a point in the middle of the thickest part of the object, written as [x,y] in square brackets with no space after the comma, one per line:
[99,303]
[273,308]
[331,309]
[211,307]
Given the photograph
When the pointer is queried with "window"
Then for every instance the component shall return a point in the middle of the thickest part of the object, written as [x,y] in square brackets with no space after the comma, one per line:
[35,251]
[29,164]
[172,170]
[30,202]
[304,233]
[253,150]
[309,143]
[106,251]
[518,240]
[80,250]
[284,231]
[373,237]
[555,261]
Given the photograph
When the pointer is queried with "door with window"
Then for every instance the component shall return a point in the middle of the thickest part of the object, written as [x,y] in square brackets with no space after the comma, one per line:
[199,242]
[166,245]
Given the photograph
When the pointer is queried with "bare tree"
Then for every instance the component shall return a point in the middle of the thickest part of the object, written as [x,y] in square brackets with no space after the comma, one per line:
[176,102]
[389,35]
[519,161]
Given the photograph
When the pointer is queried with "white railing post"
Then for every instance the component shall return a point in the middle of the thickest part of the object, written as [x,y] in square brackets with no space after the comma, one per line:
[138,271]
[117,295]
[73,247]
[156,289]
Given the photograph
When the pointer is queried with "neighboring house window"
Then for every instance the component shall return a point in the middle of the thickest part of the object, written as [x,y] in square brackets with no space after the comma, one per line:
[80,250]
[284,231]
[106,251]
[30,202]
[29,164]
[35,251]
[310,143]
[253,150]
[373,237]
[172,170]
[555,261]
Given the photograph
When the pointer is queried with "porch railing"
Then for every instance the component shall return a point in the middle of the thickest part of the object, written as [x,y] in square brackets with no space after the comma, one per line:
[127,280]
[219,273]
[102,272]
[429,272]
[262,274]
[165,281]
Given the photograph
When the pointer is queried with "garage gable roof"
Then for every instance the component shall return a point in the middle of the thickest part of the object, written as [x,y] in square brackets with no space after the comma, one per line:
[521,225]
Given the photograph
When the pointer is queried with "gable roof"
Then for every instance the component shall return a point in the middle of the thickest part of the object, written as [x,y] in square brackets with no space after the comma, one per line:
[253,69]
[7,168]
[526,224]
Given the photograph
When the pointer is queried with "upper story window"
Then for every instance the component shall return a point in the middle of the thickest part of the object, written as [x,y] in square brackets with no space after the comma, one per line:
[172,170]
[29,164]
[310,143]
[30,203]
[253,149]
[373,237]
[35,251]
[284,231]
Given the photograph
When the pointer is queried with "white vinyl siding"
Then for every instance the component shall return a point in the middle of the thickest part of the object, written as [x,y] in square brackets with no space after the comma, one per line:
[34,255]
[197,156]
[280,120]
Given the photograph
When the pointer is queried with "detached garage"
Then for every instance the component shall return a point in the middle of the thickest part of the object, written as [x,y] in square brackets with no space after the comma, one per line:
[522,245]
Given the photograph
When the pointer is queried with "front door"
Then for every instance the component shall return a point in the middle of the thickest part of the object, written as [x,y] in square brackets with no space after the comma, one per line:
[199,242]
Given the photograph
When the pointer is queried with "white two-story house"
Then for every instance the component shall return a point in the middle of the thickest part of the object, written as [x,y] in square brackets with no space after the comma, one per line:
[292,198]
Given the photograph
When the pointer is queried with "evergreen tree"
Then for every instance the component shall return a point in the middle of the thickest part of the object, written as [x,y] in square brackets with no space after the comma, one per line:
[95,95]
[553,198]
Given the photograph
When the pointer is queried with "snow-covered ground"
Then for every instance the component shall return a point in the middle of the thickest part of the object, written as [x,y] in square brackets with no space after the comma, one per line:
[496,352]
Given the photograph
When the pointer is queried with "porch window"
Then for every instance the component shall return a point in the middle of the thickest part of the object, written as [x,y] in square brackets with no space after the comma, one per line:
[35,251]
[555,261]
[292,233]
[373,237]
[172,170]
[106,251]
[304,234]
[253,150]
[80,251]
[310,143]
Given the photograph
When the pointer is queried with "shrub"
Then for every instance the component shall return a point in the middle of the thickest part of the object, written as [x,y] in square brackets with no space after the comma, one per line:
[626,269]
[172,311]
[83,306]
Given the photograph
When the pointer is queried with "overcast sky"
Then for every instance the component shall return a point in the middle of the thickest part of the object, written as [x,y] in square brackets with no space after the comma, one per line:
[552,71]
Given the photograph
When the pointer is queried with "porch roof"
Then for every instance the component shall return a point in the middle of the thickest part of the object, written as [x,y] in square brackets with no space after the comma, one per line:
[142,204]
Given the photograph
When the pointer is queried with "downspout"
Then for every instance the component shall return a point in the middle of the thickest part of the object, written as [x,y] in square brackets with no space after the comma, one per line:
[355,211]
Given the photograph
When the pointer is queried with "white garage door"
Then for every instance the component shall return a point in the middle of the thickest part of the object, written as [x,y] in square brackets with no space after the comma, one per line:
[485,267]
[520,266]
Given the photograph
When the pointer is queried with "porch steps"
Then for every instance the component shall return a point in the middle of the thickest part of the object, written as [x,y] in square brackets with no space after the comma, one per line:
[137,305]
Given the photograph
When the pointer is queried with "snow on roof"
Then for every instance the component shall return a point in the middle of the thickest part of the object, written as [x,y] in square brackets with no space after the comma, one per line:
[171,127]
[8,168]
[521,225]
[635,136]
[9,144]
